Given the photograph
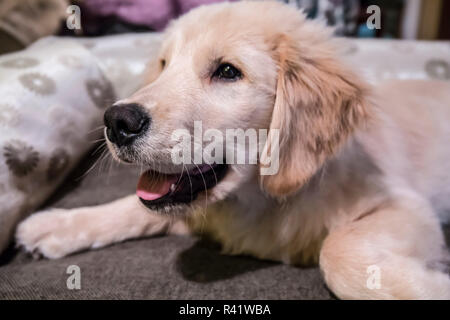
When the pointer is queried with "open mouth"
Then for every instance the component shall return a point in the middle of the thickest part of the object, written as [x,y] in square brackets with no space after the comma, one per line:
[157,190]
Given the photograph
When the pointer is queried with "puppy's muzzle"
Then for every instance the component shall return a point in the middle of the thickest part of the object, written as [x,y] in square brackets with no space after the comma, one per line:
[125,122]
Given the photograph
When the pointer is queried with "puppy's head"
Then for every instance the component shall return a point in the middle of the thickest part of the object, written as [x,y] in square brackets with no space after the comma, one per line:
[245,66]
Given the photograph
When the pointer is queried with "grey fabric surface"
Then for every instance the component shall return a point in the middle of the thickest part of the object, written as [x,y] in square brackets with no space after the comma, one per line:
[155,268]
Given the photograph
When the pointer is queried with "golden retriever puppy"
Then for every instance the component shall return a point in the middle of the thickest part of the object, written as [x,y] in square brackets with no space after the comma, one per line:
[363,173]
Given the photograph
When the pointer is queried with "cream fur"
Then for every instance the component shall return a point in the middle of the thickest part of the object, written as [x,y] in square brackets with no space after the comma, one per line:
[364,172]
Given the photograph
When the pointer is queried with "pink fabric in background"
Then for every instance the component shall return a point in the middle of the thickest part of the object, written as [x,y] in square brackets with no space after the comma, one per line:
[152,13]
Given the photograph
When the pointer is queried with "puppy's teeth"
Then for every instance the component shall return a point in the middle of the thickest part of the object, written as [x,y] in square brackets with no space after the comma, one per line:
[172,187]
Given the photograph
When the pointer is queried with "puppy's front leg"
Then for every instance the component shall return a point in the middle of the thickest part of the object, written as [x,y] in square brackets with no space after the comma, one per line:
[58,232]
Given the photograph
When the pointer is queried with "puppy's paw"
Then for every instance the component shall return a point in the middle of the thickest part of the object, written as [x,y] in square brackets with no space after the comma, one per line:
[47,233]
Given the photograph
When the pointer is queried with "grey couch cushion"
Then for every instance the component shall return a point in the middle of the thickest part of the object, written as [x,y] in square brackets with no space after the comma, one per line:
[155,268]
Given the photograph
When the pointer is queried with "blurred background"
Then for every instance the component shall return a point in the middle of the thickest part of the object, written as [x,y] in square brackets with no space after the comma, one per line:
[24,21]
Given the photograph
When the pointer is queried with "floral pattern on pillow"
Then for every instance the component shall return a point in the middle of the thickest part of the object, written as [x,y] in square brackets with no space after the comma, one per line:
[53,95]
[20,157]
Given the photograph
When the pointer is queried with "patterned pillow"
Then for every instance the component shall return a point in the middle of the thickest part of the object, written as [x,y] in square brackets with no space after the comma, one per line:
[52,98]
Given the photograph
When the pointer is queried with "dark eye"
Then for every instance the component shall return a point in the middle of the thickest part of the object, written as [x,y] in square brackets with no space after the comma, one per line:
[163,63]
[227,71]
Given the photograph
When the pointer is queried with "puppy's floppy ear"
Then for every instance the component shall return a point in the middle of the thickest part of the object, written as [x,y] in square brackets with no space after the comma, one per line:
[318,104]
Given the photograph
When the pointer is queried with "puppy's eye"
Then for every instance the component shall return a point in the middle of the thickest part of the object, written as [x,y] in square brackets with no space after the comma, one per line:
[163,63]
[227,71]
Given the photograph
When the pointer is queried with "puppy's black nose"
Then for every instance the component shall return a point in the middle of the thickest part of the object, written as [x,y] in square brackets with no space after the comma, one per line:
[125,122]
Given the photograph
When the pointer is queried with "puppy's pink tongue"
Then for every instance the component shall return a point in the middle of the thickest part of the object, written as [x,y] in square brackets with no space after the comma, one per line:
[152,185]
